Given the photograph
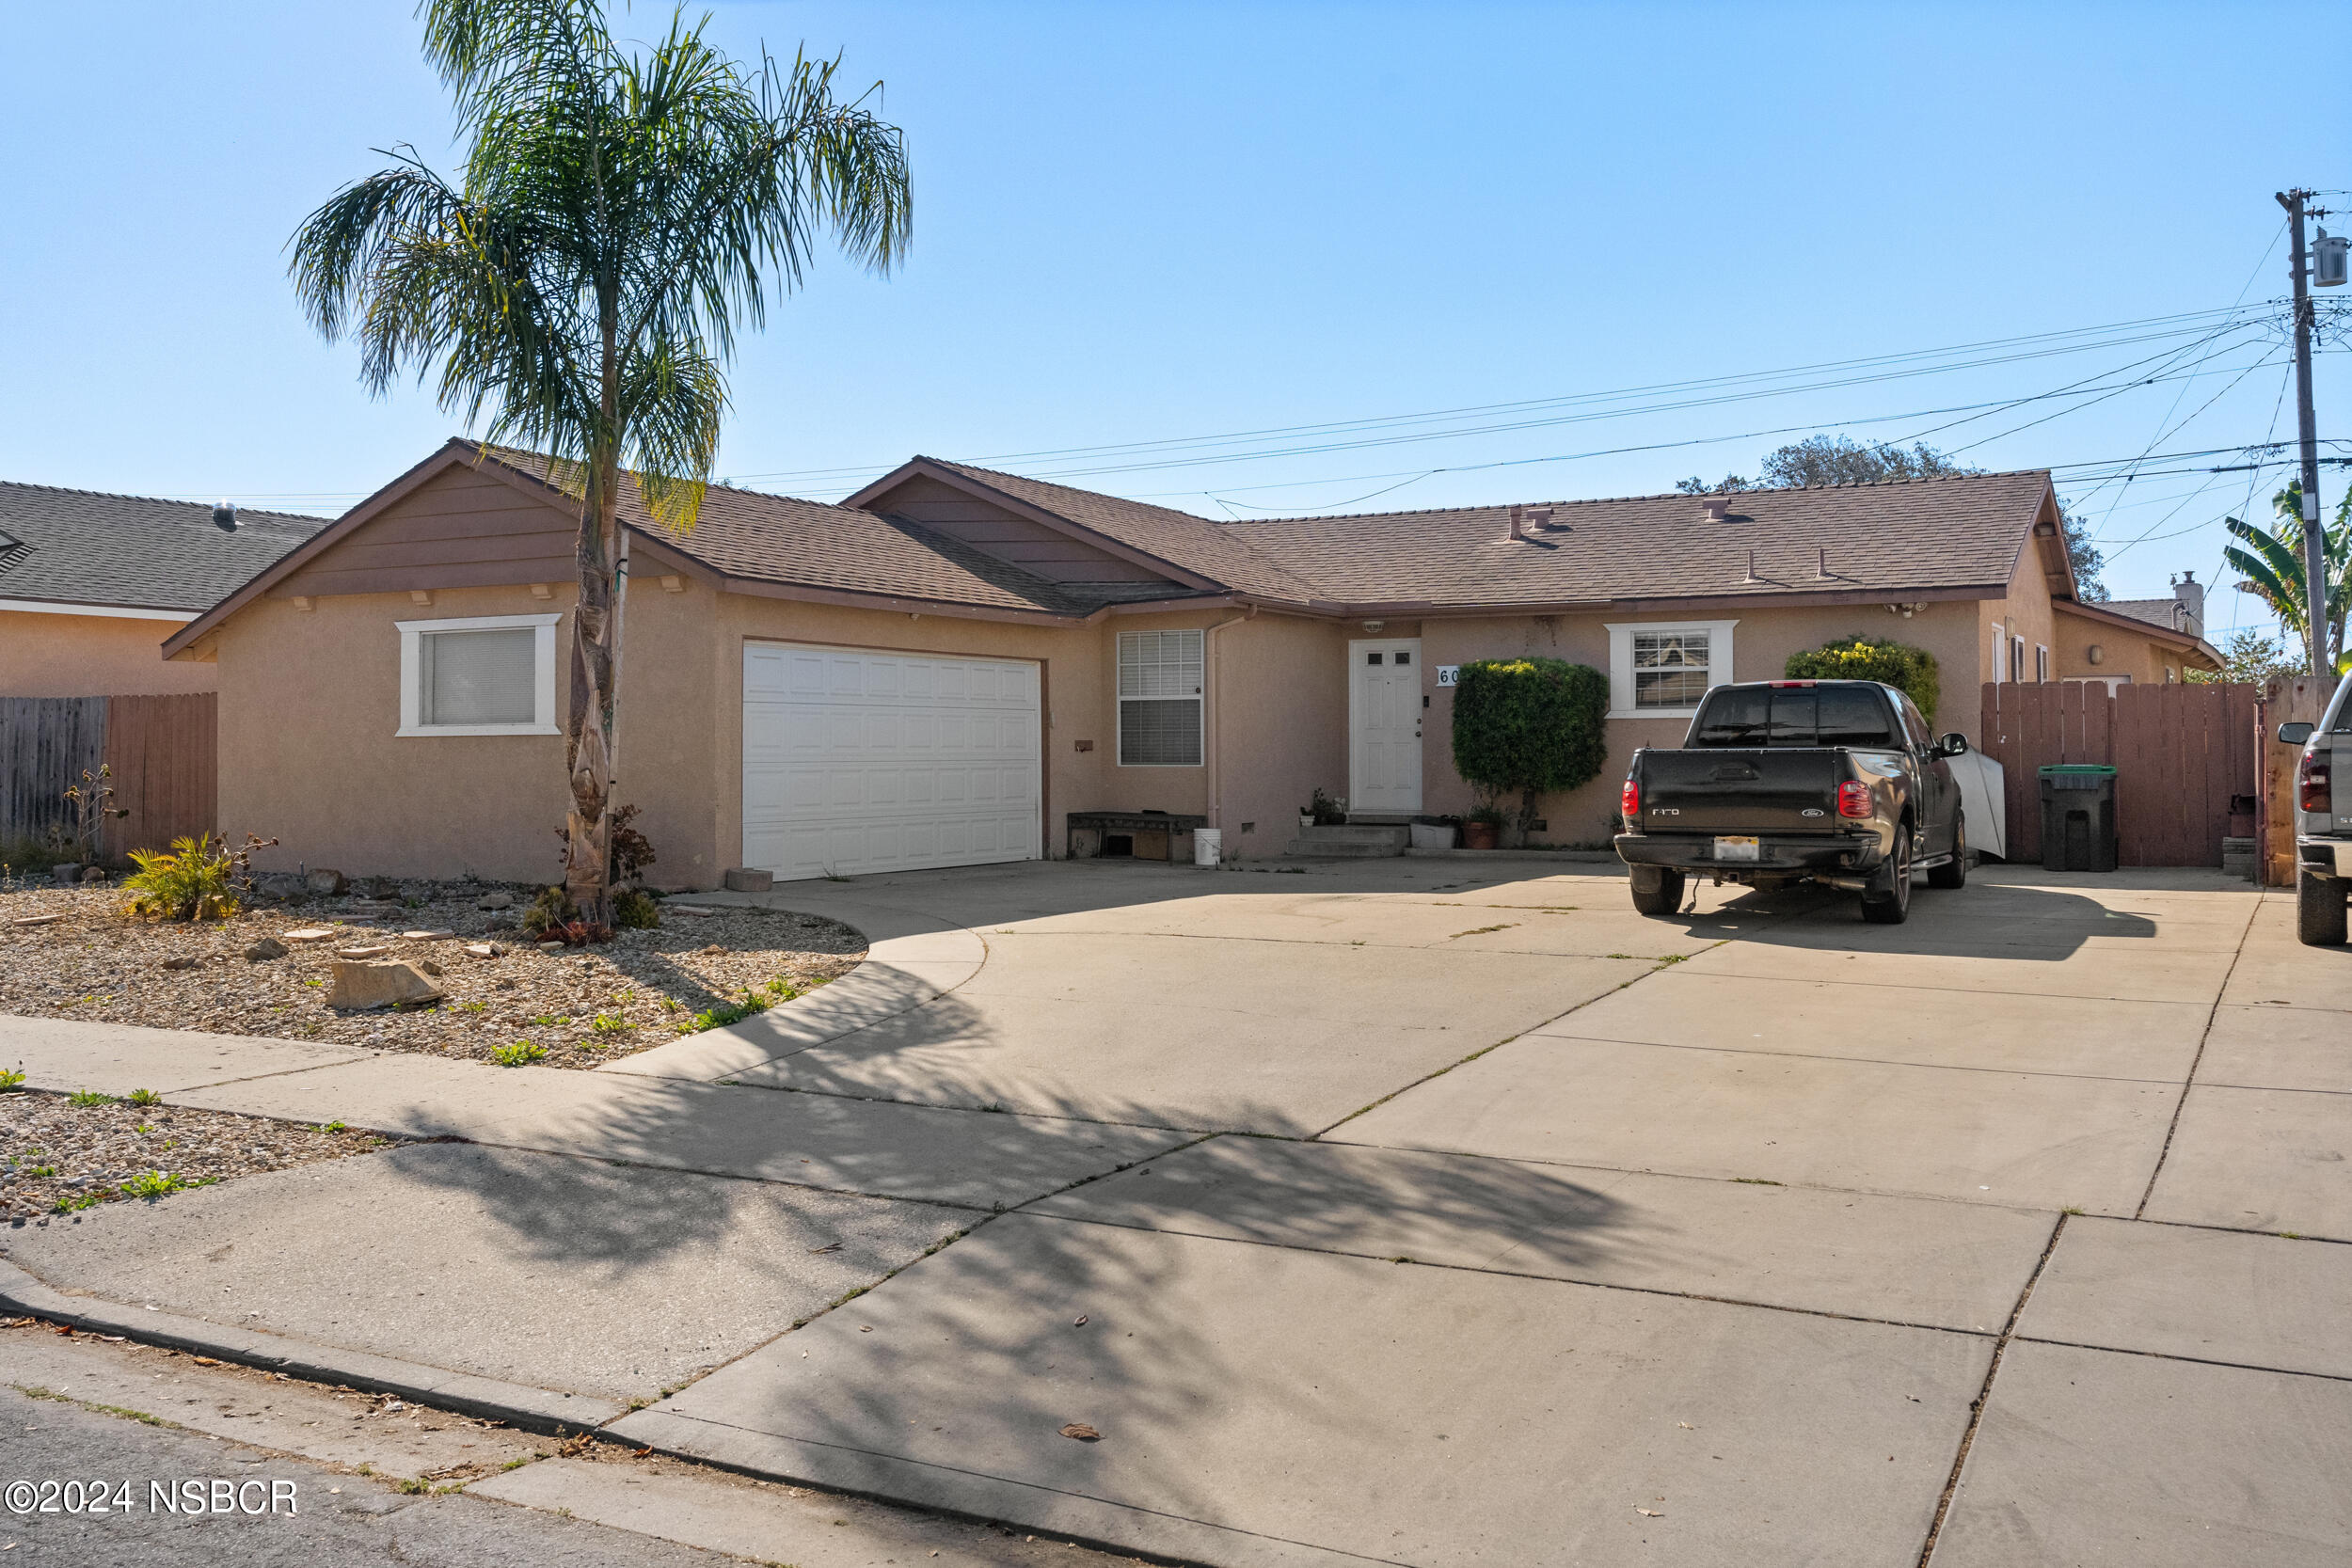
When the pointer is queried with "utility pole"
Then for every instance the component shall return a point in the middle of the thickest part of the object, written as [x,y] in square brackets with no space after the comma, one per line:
[2307,432]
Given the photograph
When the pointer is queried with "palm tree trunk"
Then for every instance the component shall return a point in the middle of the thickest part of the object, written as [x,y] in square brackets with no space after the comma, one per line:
[588,729]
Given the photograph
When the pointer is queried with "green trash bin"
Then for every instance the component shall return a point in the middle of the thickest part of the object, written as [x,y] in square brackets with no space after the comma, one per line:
[2077,816]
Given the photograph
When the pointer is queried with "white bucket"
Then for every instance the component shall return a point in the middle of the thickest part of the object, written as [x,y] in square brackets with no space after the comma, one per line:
[1208,846]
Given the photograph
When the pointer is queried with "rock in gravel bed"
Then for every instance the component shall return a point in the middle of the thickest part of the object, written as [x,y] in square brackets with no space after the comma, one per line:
[586,1006]
[58,1158]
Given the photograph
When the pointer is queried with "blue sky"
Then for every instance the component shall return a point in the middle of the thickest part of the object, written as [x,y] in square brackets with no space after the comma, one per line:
[1144,223]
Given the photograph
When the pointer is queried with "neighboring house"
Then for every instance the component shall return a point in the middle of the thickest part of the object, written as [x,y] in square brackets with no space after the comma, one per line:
[2136,641]
[91,584]
[939,670]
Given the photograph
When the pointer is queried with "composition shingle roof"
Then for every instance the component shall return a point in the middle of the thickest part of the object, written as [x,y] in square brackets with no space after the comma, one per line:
[1198,545]
[767,538]
[133,552]
[1953,533]
[1923,535]
[2168,613]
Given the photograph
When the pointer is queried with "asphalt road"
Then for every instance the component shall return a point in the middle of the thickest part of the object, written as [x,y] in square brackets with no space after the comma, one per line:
[364,1522]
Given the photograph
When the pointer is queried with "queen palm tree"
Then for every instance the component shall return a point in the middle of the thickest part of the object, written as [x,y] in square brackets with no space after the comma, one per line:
[620,212]
[2273,566]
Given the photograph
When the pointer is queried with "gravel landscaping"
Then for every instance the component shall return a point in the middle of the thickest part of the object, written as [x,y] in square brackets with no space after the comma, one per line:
[71,953]
[60,1154]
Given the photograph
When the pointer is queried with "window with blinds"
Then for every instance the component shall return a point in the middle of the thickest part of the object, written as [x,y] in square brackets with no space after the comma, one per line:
[478,677]
[1670,669]
[1160,680]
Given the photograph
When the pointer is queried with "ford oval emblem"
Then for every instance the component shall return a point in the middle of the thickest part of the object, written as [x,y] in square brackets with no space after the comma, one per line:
[1812,811]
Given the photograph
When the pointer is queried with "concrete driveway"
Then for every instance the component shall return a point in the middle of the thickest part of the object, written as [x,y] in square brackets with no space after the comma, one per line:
[1444,1211]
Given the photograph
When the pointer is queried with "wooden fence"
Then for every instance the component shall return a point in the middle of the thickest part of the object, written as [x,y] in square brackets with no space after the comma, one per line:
[2303,697]
[2180,753]
[164,751]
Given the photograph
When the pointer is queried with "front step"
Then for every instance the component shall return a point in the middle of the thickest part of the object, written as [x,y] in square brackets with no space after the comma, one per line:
[1351,841]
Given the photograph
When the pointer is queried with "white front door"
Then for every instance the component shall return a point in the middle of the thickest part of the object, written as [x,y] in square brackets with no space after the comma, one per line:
[857,760]
[1384,713]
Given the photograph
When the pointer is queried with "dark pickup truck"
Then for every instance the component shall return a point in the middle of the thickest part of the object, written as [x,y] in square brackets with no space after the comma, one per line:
[1779,782]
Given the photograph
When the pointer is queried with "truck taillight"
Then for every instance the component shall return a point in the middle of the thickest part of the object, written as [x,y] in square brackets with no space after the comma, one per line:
[1853,798]
[2312,784]
[1630,801]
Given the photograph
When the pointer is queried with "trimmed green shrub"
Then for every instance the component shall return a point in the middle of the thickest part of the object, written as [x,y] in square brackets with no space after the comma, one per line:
[1909,671]
[1529,725]
[635,910]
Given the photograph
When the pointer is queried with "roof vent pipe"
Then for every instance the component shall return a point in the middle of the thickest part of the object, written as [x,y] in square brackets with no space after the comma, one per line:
[1714,509]
[1751,577]
[1518,525]
[225,516]
[1821,563]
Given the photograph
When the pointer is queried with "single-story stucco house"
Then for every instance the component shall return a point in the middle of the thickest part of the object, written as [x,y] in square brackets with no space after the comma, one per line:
[90,585]
[942,667]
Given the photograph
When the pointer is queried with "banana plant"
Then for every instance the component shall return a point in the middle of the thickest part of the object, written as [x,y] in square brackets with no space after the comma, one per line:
[2271,563]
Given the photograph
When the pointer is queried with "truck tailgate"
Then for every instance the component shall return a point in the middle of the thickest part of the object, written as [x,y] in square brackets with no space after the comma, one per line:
[1772,790]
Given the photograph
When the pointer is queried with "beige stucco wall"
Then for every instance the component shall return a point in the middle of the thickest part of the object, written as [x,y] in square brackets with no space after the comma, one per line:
[1761,643]
[91,656]
[2143,659]
[2024,611]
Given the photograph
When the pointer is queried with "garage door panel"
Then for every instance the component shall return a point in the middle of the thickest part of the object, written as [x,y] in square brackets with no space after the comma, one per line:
[857,761]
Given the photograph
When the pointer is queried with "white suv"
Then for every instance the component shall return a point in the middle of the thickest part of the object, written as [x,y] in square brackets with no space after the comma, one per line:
[2323,821]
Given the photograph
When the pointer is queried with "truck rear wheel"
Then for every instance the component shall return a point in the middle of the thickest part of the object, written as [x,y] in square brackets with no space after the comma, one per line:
[1657,890]
[2319,912]
[1953,872]
[1892,906]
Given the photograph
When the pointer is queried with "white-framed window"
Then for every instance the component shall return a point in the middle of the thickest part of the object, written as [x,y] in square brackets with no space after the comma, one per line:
[2000,653]
[2017,659]
[2041,662]
[1160,679]
[482,674]
[1660,669]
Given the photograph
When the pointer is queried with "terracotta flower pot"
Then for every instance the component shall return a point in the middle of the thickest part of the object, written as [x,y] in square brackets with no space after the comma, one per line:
[1478,836]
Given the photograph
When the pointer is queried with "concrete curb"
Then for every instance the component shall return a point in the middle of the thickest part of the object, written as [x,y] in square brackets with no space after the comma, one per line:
[483,1397]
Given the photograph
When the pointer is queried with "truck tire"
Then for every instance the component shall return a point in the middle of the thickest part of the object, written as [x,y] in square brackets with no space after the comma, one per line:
[1892,906]
[2319,912]
[1657,891]
[1953,872]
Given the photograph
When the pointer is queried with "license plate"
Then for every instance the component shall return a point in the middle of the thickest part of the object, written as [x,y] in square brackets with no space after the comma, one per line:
[1736,849]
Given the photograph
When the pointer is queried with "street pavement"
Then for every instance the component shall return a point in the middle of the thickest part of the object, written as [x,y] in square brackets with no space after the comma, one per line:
[1424,1212]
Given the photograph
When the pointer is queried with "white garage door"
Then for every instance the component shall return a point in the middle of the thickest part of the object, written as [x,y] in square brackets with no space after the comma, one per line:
[857,761]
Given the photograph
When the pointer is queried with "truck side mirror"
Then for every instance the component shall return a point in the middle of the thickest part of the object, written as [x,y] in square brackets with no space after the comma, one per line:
[2294,733]
[1952,745]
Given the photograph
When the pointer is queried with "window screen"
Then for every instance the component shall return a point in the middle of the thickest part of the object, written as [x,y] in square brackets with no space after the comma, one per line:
[1159,699]
[478,677]
[1670,669]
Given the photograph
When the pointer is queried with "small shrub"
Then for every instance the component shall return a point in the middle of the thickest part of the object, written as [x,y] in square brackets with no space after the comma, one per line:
[85,1099]
[11,1078]
[548,912]
[521,1053]
[1911,670]
[144,1097]
[156,1184]
[191,880]
[634,910]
